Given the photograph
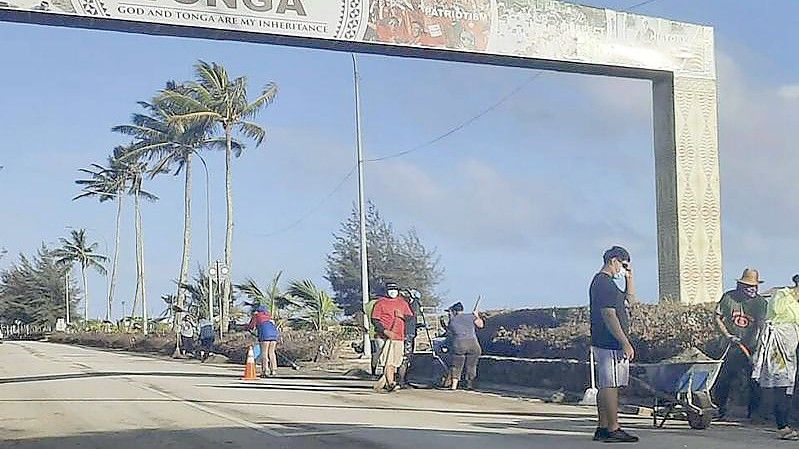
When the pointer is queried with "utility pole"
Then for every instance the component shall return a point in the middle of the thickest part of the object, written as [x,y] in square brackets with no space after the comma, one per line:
[367,347]
[66,294]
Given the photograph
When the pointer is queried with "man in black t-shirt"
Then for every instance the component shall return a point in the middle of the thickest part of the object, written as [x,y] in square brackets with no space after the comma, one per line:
[610,327]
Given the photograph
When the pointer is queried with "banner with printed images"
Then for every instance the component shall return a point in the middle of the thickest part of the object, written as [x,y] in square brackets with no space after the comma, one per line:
[542,29]
[452,24]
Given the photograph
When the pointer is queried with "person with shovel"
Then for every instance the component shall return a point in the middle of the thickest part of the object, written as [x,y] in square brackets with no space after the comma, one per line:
[388,316]
[739,315]
[466,349]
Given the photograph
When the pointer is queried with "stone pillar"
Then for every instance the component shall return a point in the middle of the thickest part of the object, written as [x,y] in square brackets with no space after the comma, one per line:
[687,188]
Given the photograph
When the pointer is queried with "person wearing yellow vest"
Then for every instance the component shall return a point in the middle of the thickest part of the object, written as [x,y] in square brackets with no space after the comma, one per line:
[774,362]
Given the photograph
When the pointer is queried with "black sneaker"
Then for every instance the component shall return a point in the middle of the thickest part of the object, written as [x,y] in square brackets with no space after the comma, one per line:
[600,433]
[619,436]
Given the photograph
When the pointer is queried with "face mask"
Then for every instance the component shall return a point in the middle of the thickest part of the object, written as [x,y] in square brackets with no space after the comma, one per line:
[750,291]
[392,294]
[620,275]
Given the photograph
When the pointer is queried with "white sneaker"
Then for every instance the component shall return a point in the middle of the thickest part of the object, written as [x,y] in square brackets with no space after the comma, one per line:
[788,434]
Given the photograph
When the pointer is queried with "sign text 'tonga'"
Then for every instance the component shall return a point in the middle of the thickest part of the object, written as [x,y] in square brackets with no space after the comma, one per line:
[279,6]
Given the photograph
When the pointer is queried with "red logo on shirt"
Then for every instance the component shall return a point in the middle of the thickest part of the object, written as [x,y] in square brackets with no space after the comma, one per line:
[741,320]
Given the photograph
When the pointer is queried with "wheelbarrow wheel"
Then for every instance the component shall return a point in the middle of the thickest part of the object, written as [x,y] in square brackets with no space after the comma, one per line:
[697,420]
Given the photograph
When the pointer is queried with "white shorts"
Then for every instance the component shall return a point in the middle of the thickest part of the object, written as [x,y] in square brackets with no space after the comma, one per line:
[392,354]
[612,368]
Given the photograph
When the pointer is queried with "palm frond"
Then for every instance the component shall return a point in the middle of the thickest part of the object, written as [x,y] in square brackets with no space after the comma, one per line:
[253,131]
[213,76]
[266,98]
[251,289]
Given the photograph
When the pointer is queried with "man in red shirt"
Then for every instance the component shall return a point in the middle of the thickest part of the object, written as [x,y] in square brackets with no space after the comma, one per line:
[388,317]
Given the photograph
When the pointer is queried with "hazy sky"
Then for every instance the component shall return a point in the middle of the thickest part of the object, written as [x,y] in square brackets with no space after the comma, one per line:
[519,204]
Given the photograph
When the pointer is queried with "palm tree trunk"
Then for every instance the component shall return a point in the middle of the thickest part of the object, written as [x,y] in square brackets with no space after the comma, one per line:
[137,227]
[229,227]
[85,295]
[115,261]
[140,262]
[184,263]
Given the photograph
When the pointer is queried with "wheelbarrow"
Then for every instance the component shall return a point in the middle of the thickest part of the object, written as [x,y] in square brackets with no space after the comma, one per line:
[680,386]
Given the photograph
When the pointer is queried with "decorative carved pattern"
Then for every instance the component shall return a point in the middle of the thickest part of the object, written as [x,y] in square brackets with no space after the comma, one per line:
[352,20]
[698,191]
[94,8]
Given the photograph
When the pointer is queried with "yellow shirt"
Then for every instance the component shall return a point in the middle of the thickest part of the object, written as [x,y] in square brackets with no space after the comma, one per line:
[783,308]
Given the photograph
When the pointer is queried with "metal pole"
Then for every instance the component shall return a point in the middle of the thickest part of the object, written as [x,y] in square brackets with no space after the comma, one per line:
[222,316]
[66,294]
[367,347]
[208,235]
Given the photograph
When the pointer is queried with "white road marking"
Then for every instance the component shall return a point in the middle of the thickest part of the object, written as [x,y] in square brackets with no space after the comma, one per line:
[242,422]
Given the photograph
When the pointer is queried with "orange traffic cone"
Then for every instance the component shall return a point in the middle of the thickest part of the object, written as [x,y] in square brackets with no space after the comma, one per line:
[249,368]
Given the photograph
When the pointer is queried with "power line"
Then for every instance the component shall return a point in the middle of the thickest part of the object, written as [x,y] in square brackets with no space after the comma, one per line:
[312,210]
[638,5]
[402,153]
[462,125]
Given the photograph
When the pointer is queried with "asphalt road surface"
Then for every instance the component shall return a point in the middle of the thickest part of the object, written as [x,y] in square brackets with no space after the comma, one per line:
[63,397]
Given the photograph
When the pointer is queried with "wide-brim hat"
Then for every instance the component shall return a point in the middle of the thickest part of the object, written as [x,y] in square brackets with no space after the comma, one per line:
[750,277]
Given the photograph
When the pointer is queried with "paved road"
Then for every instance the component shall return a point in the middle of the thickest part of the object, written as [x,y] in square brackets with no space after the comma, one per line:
[57,396]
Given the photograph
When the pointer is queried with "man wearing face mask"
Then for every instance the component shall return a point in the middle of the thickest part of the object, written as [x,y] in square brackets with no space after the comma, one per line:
[389,316]
[739,315]
[610,327]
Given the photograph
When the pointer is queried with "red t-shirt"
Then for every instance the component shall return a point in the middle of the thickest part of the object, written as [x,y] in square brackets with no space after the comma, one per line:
[392,313]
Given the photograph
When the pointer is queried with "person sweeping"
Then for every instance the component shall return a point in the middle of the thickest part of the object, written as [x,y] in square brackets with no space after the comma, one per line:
[389,316]
[268,335]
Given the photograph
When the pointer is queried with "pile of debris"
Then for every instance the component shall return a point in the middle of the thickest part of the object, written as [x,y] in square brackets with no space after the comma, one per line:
[689,355]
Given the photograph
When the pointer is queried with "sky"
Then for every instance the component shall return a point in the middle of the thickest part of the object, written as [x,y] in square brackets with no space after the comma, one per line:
[519,204]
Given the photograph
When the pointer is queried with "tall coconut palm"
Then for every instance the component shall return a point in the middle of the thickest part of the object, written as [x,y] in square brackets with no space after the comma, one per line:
[214,96]
[171,145]
[77,249]
[135,171]
[106,184]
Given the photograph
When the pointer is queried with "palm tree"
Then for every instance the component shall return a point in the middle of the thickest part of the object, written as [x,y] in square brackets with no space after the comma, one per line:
[135,171]
[171,144]
[276,299]
[320,305]
[106,183]
[215,97]
[77,249]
